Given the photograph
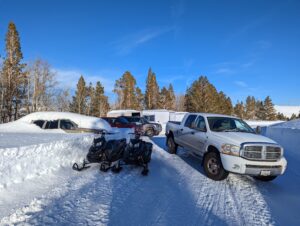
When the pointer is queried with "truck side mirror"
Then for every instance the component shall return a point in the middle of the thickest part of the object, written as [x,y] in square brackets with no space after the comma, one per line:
[258,130]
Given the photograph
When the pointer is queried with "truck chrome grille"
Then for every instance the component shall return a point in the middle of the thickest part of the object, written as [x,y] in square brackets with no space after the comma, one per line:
[253,152]
[273,152]
[261,152]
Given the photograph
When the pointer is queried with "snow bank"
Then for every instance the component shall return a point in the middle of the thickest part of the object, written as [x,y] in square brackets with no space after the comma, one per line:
[20,127]
[18,164]
[287,110]
[286,134]
[82,121]
[254,124]
[293,124]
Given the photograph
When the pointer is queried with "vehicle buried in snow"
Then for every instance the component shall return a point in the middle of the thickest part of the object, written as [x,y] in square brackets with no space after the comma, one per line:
[69,122]
[226,144]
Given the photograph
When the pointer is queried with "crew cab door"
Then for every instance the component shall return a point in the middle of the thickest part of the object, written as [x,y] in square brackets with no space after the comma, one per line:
[182,135]
[198,136]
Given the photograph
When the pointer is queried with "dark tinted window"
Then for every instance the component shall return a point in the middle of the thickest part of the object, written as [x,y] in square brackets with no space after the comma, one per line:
[133,119]
[122,120]
[52,124]
[66,124]
[39,123]
[189,120]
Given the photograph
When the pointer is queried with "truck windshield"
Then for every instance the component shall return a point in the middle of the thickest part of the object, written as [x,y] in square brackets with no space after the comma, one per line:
[223,124]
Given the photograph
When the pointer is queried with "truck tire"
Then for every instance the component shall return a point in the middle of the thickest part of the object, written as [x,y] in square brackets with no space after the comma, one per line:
[172,146]
[265,178]
[213,166]
[150,132]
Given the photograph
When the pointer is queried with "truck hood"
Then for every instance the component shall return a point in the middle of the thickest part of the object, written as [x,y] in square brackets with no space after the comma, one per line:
[238,138]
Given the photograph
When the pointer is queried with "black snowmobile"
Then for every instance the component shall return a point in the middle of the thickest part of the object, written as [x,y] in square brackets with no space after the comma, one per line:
[138,152]
[113,154]
[107,153]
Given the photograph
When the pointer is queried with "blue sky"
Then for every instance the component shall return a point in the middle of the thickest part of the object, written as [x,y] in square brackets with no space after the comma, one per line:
[244,47]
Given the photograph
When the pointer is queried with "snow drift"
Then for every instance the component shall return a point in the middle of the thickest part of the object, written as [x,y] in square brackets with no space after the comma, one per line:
[18,164]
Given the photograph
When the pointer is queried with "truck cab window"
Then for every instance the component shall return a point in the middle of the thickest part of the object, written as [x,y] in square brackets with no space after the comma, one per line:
[190,120]
[200,124]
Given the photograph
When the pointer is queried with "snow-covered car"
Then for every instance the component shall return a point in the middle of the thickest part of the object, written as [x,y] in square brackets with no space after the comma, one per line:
[226,144]
[69,122]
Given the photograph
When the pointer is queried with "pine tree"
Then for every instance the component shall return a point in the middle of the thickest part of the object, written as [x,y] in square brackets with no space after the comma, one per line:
[260,111]
[293,117]
[163,98]
[100,103]
[239,110]
[13,77]
[202,96]
[139,99]
[270,110]
[171,99]
[229,107]
[79,103]
[125,88]
[281,116]
[152,91]
[250,108]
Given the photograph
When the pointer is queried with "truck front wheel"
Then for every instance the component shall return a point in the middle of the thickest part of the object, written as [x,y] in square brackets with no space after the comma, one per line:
[172,146]
[213,166]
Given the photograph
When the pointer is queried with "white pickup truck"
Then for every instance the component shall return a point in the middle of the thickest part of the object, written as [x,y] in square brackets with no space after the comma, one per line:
[226,144]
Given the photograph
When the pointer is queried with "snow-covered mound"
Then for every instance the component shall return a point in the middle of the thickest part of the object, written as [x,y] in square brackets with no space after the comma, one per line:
[21,127]
[293,124]
[287,110]
[254,124]
[18,164]
[82,121]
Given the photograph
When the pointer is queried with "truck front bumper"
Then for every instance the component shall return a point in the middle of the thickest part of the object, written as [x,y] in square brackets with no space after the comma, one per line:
[240,165]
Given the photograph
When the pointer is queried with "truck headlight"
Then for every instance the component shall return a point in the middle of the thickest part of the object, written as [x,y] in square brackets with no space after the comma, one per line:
[230,149]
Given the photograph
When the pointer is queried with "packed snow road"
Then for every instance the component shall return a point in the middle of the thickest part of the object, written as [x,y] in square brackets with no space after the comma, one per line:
[176,192]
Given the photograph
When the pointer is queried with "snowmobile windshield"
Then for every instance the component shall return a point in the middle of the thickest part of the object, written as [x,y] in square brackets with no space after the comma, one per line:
[224,124]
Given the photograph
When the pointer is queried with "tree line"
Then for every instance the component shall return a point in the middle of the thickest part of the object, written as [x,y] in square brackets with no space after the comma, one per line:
[32,86]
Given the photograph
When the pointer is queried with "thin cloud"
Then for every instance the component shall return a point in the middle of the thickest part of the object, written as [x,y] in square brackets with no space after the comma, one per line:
[133,41]
[224,71]
[241,84]
[69,78]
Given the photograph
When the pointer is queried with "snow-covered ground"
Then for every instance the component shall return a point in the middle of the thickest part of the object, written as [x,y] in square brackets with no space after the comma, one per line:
[38,186]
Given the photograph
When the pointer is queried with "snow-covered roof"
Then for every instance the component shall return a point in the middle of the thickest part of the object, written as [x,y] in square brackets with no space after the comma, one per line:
[121,111]
[82,121]
[158,110]
[287,110]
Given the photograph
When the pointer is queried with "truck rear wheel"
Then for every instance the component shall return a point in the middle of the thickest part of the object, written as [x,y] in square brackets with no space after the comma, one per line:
[265,178]
[172,146]
[213,166]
